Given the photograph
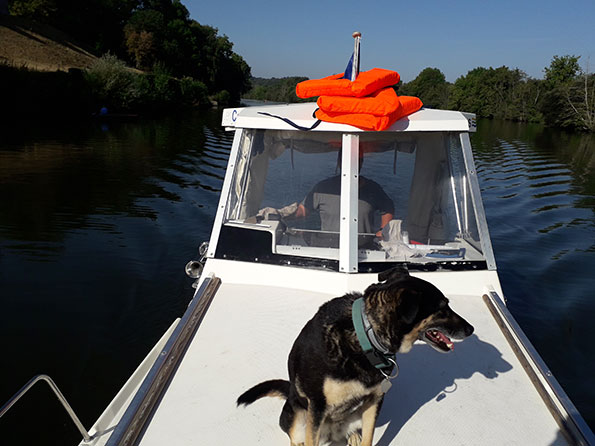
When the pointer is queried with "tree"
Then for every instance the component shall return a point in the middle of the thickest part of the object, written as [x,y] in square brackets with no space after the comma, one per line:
[144,30]
[430,86]
[581,98]
[161,31]
[570,99]
[562,70]
[527,100]
[35,9]
[470,94]
[142,46]
[97,24]
[497,93]
[148,33]
[275,89]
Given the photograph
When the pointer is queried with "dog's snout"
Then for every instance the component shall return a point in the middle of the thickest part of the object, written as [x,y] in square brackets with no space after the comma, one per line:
[468,329]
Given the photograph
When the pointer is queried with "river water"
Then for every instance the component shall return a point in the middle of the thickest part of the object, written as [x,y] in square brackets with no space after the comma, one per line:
[97,220]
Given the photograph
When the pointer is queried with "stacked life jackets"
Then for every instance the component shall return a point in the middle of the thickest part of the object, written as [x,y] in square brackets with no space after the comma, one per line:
[368,102]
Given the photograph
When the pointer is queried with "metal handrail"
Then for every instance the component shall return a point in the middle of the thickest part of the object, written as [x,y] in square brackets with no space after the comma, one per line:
[61,398]
[134,421]
[571,423]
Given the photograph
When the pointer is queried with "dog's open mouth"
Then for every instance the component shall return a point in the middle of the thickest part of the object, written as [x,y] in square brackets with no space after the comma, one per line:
[438,340]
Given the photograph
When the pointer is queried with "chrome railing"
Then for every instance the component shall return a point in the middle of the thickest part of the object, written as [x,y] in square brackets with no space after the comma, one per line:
[17,396]
[570,421]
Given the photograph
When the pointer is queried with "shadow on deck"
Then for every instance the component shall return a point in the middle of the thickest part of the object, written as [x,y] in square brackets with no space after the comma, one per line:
[427,375]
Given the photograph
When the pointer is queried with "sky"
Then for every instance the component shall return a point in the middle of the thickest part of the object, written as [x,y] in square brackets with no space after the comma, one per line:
[313,38]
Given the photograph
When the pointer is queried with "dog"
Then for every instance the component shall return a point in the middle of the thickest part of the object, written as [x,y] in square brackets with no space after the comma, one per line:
[336,386]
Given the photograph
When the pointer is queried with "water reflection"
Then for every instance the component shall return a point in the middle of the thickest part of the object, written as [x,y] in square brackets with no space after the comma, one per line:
[54,182]
[538,187]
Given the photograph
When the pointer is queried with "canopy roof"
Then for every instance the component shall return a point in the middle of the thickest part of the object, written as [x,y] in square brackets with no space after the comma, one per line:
[424,120]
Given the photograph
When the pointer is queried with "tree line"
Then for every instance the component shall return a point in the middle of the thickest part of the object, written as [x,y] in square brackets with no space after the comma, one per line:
[150,35]
[564,98]
[275,89]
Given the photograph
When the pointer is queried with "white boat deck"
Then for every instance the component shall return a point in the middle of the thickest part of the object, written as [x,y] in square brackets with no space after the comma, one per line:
[478,394]
[302,114]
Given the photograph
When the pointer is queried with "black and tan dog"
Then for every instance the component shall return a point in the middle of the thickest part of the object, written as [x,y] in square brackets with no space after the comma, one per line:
[336,386]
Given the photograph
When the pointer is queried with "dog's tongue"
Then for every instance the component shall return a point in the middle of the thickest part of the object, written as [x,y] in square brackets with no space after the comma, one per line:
[441,338]
[446,340]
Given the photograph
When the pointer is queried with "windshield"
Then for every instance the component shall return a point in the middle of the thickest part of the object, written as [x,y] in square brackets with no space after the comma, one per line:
[413,201]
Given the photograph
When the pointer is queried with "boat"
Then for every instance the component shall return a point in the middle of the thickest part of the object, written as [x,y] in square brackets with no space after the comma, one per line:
[264,272]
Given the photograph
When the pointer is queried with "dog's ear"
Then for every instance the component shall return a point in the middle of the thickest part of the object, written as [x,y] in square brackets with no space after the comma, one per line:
[408,307]
[398,272]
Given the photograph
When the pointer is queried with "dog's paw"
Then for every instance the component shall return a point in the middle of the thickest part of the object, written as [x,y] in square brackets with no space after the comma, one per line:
[355,439]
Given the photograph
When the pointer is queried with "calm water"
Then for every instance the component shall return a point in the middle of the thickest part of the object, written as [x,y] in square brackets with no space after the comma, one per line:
[97,223]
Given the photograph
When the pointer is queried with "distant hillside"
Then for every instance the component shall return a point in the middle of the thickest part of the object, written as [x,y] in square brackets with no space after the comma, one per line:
[275,89]
[27,44]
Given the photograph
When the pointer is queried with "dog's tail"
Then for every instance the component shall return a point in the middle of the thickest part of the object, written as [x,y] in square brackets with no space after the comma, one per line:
[275,387]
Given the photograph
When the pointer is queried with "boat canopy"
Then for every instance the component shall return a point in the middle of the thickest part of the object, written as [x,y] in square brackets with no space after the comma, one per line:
[351,200]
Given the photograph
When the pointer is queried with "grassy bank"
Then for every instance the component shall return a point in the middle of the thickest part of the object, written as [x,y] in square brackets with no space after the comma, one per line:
[107,83]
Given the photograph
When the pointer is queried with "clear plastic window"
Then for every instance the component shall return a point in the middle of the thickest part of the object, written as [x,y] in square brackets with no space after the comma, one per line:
[413,195]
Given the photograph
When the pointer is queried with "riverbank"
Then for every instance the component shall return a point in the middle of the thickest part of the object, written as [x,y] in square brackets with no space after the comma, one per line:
[45,74]
[35,46]
[107,85]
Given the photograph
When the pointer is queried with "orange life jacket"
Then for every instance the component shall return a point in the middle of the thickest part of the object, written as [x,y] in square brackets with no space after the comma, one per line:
[381,103]
[368,121]
[410,104]
[366,83]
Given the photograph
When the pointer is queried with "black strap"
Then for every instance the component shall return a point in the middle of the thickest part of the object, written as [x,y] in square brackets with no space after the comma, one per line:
[291,123]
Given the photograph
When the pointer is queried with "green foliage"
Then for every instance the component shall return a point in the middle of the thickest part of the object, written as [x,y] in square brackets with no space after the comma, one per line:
[571,104]
[562,70]
[119,88]
[582,101]
[430,86]
[96,24]
[526,101]
[161,31]
[570,97]
[222,98]
[35,9]
[193,92]
[112,83]
[146,20]
[276,90]
[496,93]
[141,45]
[145,33]
[564,98]
[165,87]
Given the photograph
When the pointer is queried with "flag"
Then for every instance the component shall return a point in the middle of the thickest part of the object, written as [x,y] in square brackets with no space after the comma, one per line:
[349,69]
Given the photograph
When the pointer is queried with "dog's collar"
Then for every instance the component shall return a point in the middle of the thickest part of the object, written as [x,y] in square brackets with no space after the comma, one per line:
[378,355]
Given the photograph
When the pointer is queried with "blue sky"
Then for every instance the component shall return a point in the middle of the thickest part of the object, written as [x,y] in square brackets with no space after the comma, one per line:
[313,38]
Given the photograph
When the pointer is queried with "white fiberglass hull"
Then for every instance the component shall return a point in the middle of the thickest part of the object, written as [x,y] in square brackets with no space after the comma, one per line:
[478,394]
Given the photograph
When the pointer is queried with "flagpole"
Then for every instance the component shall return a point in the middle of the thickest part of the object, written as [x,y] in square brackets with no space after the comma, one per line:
[355,68]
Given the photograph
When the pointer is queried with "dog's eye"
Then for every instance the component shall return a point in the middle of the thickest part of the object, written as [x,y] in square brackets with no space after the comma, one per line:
[443,303]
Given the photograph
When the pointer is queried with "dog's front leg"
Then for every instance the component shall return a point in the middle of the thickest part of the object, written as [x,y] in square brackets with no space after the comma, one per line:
[314,419]
[369,416]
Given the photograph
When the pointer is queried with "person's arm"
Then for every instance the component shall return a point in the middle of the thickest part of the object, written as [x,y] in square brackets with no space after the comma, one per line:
[384,219]
[301,211]
[307,204]
[384,205]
